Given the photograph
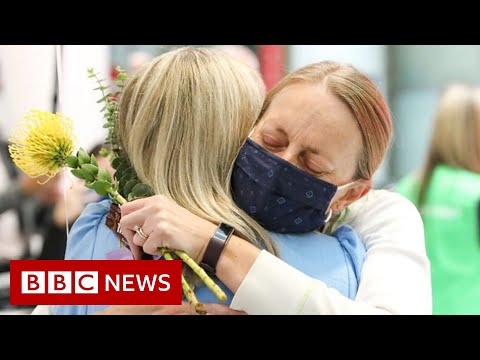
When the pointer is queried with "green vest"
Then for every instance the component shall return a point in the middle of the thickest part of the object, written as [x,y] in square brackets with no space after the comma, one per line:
[450,217]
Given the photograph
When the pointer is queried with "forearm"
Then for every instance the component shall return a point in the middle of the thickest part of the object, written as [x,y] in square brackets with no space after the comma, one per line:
[236,261]
[272,287]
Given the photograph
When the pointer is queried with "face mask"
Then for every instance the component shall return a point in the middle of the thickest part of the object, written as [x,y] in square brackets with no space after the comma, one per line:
[277,194]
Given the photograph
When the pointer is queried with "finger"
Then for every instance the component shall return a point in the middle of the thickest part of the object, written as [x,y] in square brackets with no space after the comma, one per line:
[138,240]
[152,244]
[136,218]
[134,205]
[135,249]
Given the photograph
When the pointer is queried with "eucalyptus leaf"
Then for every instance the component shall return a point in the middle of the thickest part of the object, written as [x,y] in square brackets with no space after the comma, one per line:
[141,190]
[116,162]
[129,186]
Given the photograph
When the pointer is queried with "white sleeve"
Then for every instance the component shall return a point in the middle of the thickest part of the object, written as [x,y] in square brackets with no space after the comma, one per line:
[395,277]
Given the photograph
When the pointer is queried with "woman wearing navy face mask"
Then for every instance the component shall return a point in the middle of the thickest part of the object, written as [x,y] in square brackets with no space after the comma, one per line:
[323,132]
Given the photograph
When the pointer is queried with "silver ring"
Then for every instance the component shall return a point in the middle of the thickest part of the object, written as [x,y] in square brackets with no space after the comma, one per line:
[139,231]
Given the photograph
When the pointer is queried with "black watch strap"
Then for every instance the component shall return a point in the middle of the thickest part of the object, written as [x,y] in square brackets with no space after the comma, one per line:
[215,248]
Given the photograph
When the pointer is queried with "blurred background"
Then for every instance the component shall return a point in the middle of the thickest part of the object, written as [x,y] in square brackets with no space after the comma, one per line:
[411,76]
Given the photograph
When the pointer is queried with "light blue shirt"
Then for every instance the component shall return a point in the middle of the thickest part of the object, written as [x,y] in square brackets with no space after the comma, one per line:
[336,260]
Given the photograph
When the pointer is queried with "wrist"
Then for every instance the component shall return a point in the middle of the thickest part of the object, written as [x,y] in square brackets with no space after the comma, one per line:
[214,248]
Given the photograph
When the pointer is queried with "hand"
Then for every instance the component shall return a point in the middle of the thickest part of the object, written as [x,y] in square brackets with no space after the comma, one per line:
[184,309]
[167,225]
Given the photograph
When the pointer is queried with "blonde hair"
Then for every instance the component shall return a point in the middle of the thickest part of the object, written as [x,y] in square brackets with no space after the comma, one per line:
[456,131]
[363,98]
[182,121]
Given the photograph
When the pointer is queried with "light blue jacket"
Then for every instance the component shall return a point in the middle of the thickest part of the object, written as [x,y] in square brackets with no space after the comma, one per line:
[336,260]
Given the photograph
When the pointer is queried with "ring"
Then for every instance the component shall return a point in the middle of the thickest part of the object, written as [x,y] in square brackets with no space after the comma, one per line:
[139,231]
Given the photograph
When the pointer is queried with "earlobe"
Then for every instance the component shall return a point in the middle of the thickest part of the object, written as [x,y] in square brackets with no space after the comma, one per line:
[353,194]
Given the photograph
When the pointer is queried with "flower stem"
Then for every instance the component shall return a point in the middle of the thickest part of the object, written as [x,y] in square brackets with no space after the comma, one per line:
[202,275]
[187,290]
[114,193]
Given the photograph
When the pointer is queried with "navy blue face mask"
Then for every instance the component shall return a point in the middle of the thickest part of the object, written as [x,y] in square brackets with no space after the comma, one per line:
[277,194]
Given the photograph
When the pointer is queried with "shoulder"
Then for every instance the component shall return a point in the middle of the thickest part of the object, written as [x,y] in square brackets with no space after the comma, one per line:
[384,200]
[383,214]
[90,226]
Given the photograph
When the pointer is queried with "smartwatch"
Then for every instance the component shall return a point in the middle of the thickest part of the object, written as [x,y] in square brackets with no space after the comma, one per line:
[215,248]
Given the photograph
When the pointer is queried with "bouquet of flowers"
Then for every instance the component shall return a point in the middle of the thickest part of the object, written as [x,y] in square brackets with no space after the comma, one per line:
[44,143]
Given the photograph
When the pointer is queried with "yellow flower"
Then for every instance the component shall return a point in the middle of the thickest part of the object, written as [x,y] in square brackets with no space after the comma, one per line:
[41,143]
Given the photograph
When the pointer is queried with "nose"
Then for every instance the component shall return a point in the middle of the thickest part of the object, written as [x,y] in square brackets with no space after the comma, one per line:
[290,155]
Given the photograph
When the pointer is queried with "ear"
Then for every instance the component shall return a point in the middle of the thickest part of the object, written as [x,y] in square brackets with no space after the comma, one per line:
[345,197]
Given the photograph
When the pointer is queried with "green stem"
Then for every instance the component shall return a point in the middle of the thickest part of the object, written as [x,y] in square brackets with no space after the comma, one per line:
[207,280]
[114,193]
[187,290]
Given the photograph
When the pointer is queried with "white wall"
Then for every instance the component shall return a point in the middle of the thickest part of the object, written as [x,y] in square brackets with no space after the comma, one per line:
[79,102]
[27,80]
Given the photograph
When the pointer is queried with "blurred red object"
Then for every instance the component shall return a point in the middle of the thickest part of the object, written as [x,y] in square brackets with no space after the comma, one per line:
[272,64]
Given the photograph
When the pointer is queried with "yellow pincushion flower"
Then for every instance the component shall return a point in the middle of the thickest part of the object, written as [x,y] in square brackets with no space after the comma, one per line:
[42,142]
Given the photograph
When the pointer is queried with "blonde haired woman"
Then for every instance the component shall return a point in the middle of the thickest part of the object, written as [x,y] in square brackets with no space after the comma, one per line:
[447,193]
[244,268]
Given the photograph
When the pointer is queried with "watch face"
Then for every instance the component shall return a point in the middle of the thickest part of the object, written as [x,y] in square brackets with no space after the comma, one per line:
[223,232]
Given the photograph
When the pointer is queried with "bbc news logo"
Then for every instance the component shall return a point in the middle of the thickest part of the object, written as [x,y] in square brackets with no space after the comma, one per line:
[95,282]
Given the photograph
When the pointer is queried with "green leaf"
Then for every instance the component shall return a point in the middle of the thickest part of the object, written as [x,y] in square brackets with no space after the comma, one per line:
[129,185]
[102,187]
[93,160]
[104,175]
[78,173]
[83,157]
[141,190]
[116,162]
[121,169]
[72,162]
[89,185]
[104,152]
[89,171]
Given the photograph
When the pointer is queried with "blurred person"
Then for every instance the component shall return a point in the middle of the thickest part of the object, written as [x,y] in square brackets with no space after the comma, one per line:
[447,193]
[395,277]
[22,200]
[137,60]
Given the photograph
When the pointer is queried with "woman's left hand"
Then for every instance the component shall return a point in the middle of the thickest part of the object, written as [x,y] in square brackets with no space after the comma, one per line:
[165,224]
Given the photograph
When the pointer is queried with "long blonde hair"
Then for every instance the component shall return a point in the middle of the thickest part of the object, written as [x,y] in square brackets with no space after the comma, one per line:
[182,121]
[456,133]
[364,99]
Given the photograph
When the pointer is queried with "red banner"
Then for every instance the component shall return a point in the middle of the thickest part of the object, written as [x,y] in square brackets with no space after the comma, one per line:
[95,282]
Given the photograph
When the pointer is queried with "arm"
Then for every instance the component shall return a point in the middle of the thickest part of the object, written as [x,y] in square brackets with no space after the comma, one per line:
[395,278]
